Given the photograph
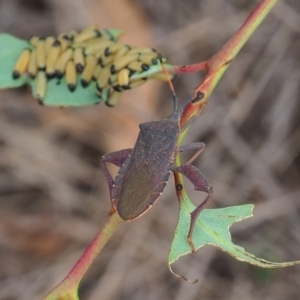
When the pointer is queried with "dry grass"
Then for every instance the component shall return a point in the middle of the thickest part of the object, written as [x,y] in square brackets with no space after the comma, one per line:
[54,198]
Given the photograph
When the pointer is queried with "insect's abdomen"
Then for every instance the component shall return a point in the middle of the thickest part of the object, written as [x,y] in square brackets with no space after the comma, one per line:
[140,185]
[142,178]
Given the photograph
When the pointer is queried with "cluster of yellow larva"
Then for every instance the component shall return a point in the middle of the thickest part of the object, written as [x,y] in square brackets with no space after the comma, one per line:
[90,55]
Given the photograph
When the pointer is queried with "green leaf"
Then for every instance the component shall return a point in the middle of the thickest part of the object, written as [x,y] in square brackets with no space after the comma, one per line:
[212,228]
[10,50]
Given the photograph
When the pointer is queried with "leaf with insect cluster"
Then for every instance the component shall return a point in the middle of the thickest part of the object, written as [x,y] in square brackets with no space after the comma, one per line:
[57,94]
[64,72]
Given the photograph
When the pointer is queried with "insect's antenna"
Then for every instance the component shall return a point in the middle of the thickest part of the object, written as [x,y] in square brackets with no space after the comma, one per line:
[175,100]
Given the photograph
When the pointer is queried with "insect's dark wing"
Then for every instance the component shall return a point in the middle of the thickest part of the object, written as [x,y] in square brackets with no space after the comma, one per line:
[160,144]
[134,194]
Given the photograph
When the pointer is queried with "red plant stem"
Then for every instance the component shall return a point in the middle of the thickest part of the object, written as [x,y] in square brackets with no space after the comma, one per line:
[227,53]
[189,68]
[215,69]
[94,248]
[237,41]
[73,279]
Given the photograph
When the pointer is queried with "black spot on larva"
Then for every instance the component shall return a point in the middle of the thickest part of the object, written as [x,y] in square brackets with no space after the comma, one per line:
[98,33]
[113,69]
[154,61]
[59,74]
[79,67]
[56,43]
[71,87]
[109,81]
[106,51]
[15,75]
[50,75]
[125,87]
[145,67]
[65,37]
[84,83]
[99,88]
[100,62]
[117,88]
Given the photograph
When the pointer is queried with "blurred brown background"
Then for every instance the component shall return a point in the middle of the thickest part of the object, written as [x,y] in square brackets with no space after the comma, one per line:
[54,198]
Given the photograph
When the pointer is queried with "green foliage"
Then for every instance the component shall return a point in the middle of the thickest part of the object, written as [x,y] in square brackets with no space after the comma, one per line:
[212,228]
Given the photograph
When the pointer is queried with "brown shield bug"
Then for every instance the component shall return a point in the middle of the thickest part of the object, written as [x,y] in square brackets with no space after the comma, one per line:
[145,169]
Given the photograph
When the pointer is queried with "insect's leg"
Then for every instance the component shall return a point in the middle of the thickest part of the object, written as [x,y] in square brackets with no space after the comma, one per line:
[200,183]
[200,146]
[117,158]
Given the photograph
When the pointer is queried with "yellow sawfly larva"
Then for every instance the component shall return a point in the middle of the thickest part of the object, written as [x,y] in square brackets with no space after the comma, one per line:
[121,52]
[123,77]
[22,63]
[98,46]
[79,59]
[51,58]
[71,75]
[40,54]
[65,42]
[137,83]
[86,34]
[41,85]
[102,80]
[122,62]
[113,99]
[87,73]
[135,66]
[113,48]
[105,60]
[61,62]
